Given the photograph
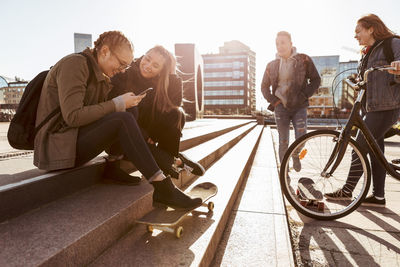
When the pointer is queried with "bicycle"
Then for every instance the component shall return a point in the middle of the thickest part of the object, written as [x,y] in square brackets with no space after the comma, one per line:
[325,156]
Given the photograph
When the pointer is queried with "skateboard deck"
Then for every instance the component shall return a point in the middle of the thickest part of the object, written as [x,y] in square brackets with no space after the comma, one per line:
[308,195]
[167,219]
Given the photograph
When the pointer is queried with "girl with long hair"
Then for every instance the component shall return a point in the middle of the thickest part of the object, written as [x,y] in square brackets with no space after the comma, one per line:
[88,123]
[160,115]
[382,101]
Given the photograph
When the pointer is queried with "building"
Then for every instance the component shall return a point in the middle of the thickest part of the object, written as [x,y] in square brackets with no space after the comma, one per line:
[328,100]
[11,90]
[81,41]
[347,94]
[230,80]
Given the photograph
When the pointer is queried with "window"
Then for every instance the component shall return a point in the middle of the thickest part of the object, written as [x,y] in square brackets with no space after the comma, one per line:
[234,74]
[223,92]
[223,83]
[234,65]
[223,102]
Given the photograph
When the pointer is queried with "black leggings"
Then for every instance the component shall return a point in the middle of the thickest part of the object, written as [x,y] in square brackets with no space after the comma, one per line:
[116,128]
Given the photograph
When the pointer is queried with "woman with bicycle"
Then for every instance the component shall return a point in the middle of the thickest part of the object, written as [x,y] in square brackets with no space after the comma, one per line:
[382,102]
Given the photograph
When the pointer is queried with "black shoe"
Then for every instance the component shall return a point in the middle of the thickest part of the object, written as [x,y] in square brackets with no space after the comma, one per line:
[194,166]
[167,193]
[113,173]
[339,194]
[372,201]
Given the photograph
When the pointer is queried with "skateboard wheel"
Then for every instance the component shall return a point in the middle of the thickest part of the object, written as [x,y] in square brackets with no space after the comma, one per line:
[210,206]
[149,228]
[179,231]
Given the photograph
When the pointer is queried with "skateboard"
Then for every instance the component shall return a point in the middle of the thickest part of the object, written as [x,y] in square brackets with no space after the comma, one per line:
[167,219]
[308,195]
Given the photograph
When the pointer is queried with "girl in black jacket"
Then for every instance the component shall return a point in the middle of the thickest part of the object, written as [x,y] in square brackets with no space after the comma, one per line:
[159,114]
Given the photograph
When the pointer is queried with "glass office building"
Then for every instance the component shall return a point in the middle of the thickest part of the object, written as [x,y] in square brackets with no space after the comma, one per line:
[230,80]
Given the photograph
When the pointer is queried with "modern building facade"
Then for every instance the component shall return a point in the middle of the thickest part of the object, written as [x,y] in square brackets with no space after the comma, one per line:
[11,90]
[328,99]
[230,80]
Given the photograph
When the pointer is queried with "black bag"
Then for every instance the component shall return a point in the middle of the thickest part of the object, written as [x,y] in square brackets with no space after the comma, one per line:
[22,130]
[388,50]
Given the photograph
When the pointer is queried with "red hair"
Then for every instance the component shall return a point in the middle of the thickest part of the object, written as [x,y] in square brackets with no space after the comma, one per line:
[380,32]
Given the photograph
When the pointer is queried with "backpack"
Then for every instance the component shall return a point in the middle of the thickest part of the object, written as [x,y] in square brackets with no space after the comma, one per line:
[387,49]
[22,130]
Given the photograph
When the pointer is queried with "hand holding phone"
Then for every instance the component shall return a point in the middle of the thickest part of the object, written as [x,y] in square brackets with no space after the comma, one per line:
[146,91]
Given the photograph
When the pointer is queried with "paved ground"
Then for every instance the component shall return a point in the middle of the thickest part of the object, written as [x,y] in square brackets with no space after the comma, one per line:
[367,237]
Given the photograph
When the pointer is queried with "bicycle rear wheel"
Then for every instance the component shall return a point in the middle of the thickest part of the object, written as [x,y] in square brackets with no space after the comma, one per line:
[314,150]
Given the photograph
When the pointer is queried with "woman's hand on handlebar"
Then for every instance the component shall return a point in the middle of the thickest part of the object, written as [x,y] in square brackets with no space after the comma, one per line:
[395,64]
[131,99]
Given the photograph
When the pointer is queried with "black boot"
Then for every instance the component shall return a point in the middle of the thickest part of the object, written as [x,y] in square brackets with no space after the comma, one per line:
[167,193]
[194,166]
[115,174]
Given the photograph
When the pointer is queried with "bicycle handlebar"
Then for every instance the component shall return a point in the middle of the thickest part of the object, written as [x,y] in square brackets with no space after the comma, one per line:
[362,83]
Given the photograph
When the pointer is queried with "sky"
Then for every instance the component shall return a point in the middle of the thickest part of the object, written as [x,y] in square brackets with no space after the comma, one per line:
[35,34]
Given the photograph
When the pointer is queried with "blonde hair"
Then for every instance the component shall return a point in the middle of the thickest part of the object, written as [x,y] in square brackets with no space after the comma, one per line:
[284,33]
[161,102]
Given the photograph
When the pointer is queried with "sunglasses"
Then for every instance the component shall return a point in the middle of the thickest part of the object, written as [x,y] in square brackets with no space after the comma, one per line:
[122,65]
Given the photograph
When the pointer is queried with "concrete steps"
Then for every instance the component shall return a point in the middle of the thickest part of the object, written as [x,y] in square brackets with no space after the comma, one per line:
[82,224]
[203,231]
[23,187]
[257,232]
[73,230]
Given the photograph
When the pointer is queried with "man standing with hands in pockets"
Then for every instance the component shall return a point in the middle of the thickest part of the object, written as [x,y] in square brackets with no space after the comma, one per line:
[293,78]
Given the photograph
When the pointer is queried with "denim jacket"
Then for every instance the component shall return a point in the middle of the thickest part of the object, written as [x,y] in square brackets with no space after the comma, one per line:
[305,81]
[383,88]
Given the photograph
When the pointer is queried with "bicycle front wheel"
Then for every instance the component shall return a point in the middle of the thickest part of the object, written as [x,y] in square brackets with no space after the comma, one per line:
[304,184]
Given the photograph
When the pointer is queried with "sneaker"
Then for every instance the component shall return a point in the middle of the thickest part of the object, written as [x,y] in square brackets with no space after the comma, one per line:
[372,201]
[296,164]
[339,194]
[167,193]
[194,166]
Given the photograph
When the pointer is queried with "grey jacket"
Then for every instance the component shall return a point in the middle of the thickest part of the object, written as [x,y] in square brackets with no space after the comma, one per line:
[383,88]
[305,81]
[81,103]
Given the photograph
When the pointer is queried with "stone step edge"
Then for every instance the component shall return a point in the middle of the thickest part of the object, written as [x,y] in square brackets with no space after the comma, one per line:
[37,197]
[194,141]
[208,160]
[202,241]
[209,254]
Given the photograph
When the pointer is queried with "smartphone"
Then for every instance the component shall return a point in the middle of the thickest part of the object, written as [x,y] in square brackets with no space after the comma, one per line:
[146,91]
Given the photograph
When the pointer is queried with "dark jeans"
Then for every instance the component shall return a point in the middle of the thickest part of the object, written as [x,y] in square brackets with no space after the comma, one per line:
[378,122]
[167,147]
[282,119]
[116,128]
[168,138]
[163,130]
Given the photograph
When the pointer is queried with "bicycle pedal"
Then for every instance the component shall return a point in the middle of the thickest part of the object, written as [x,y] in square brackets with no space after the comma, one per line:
[396,161]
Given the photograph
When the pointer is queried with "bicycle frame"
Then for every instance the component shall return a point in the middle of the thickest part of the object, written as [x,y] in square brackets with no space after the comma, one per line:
[355,119]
